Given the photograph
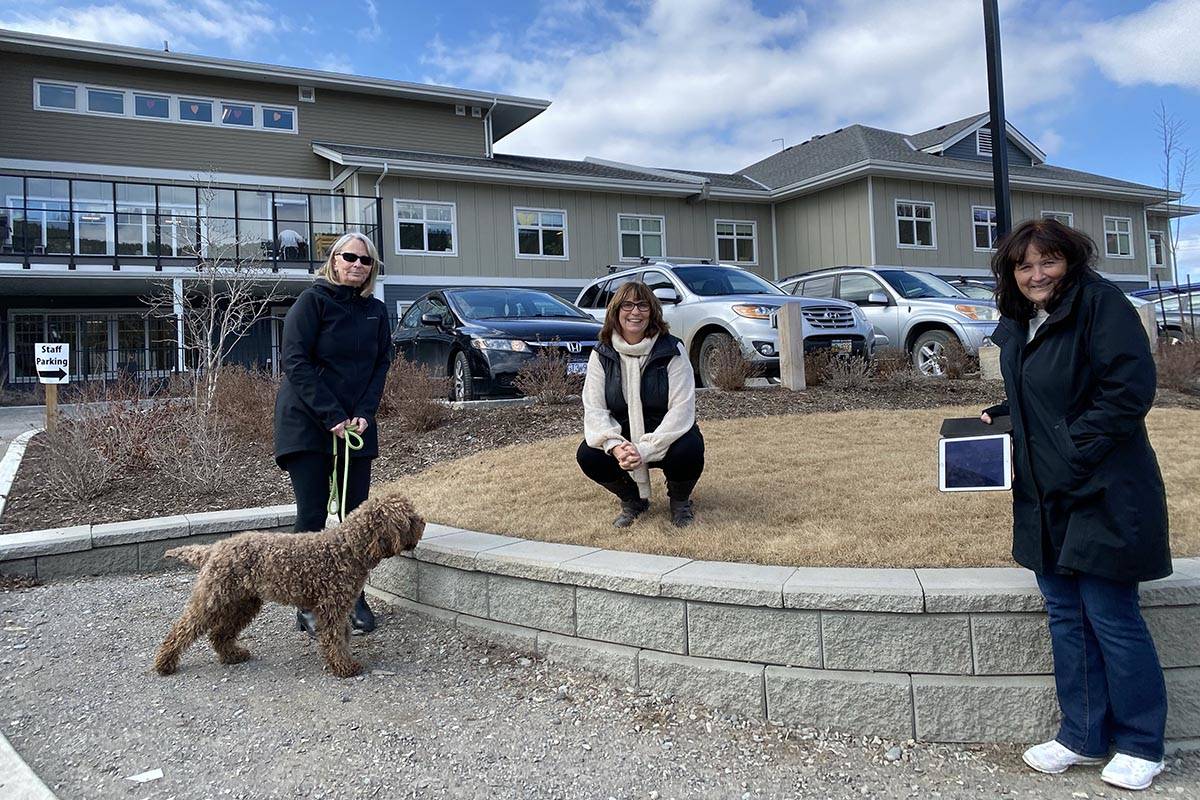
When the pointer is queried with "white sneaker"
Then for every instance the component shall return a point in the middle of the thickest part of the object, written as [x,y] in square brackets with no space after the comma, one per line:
[1052,758]
[1129,772]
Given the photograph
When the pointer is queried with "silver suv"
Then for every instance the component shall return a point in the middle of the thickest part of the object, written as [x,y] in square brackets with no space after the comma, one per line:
[913,310]
[708,304]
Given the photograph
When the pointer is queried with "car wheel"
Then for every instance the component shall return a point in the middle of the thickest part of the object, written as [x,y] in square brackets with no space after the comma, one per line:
[929,352]
[462,383]
[709,348]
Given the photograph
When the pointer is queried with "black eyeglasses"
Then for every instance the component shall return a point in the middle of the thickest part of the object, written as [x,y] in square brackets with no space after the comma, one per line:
[629,305]
[350,258]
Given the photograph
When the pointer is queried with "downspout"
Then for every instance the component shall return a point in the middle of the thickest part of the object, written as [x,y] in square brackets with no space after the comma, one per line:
[379,206]
[487,128]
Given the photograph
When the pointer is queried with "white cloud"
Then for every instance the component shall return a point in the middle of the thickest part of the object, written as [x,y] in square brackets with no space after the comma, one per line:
[1157,45]
[373,31]
[332,63]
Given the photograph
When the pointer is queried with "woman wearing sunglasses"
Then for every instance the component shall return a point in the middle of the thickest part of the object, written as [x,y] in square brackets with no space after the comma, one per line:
[639,400]
[336,351]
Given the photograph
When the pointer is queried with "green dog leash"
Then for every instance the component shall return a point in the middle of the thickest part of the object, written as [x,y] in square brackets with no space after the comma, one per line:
[337,498]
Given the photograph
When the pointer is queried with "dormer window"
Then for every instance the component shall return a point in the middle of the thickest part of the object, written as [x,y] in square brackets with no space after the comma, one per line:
[983,141]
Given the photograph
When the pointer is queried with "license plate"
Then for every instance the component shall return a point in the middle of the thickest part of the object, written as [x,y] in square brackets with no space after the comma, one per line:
[842,346]
[577,368]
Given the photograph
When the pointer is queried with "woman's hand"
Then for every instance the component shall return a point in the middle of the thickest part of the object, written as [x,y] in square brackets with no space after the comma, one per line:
[359,424]
[356,424]
[628,456]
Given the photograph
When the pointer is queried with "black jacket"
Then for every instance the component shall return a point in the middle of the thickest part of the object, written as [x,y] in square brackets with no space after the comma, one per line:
[656,385]
[1088,495]
[336,350]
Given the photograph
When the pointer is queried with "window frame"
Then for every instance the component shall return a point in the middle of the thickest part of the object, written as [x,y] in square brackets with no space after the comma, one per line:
[539,227]
[1047,213]
[662,234]
[753,240]
[1150,234]
[992,226]
[452,253]
[932,223]
[1118,233]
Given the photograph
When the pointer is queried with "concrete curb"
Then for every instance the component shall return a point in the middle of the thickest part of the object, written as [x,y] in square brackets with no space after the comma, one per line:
[17,780]
[11,462]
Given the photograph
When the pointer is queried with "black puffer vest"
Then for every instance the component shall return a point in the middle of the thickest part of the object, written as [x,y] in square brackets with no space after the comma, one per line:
[656,386]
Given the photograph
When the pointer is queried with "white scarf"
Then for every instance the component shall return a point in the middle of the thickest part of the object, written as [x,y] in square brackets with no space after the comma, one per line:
[633,361]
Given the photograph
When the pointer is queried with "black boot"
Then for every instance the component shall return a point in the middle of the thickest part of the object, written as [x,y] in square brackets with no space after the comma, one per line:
[362,619]
[680,492]
[307,622]
[632,506]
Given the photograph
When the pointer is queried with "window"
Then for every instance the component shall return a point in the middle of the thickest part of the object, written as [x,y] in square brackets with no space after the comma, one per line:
[104,101]
[657,280]
[858,288]
[412,317]
[736,241]
[53,95]
[640,236]
[152,105]
[237,114]
[984,220]
[196,110]
[914,224]
[817,287]
[1118,237]
[1065,217]
[425,228]
[589,296]
[540,233]
[1157,241]
[983,141]
[279,119]
[610,288]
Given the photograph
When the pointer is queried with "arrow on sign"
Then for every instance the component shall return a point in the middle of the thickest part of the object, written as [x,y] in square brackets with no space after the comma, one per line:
[57,374]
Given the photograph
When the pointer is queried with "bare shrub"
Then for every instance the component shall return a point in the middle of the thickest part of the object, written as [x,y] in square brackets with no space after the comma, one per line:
[245,399]
[193,449]
[546,379]
[1179,366]
[730,367]
[848,372]
[32,395]
[413,397]
[816,365]
[893,367]
[957,363]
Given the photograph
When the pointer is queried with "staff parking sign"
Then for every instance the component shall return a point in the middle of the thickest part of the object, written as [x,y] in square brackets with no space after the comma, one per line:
[53,362]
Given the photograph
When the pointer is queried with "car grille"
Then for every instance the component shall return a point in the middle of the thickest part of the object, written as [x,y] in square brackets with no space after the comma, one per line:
[829,317]
[563,348]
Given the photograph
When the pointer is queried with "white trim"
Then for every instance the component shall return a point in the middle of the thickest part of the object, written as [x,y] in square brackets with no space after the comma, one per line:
[1166,255]
[991,226]
[1117,233]
[451,253]
[753,241]
[566,256]
[662,233]
[1031,149]
[118,172]
[1070,215]
[932,223]
[871,214]
[658,173]
[452,281]
[257,109]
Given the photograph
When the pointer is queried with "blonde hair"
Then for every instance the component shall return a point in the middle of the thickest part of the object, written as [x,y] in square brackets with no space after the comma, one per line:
[330,274]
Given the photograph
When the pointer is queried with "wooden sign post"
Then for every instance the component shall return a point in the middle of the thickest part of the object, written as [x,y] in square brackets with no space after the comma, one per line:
[791,347]
[53,363]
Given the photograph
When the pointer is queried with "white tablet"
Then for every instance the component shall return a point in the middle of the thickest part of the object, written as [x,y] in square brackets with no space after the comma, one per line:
[975,464]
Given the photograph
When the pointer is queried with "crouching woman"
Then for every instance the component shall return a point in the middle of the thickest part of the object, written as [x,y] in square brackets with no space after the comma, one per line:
[639,400]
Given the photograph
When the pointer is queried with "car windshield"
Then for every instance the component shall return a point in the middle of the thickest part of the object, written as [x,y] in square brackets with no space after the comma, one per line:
[511,304]
[977,292]
[918,285]
[716,281]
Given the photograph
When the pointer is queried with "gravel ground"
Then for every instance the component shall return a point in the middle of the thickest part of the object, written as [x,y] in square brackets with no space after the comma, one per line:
[440,715]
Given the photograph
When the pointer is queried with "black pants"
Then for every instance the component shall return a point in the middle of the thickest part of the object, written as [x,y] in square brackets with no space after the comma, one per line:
[310,482]
[682,464]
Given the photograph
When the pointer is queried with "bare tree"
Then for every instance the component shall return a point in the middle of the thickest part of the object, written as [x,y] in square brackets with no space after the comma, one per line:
[1176,163]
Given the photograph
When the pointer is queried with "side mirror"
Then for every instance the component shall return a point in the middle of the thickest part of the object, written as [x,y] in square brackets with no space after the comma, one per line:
[666,294]
[878,299]
[433,320]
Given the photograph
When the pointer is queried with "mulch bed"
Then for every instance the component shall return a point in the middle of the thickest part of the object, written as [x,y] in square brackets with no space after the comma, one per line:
[36,504]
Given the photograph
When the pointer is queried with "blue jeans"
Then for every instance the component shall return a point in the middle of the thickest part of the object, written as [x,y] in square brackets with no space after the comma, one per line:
[1106,672]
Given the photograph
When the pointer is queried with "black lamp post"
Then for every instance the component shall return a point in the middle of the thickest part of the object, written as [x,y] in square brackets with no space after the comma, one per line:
[991,35]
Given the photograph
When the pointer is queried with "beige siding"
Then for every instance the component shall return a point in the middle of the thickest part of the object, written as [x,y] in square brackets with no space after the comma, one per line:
[334,117]
[955,232]
[486,235]
[827,229]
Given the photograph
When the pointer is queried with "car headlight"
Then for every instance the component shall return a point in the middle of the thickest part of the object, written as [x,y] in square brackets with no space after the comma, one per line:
[513,345]
[754,311]
[979,313]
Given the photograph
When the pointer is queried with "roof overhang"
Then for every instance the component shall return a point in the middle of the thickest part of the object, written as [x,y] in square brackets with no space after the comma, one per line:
[1173,209]
[510,112]
[1022,141]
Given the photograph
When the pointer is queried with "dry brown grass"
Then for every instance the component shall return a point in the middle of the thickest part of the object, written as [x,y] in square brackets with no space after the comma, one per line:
[848,489]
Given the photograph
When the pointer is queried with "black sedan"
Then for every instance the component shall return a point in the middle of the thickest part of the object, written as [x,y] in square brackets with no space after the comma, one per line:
[481,337]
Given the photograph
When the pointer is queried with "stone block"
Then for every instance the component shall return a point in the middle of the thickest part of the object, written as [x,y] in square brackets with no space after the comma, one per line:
[731,685]
[150,554]
[614,661]
[140,530]
[655,623]
[1178,589]
[434,530]
[783,636]
[233,521]
[397,576]
[25,567]
[1176,632]
[1011,644]
[725,582]
[850,589]
[980,589]
[1183,703]
[447,618]
[619,571]
[459,549]
[533,604]
[874,703]
[539,561]
[937,643]
[452,589]
[985,708]
[285,515]
[98,561]
[28,544]
[508,637]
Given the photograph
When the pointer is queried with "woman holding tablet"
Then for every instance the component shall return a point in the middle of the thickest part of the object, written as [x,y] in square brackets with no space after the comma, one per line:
[1089,508]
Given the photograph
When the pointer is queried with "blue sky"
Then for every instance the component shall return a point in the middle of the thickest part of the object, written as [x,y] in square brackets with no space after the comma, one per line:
[707,84]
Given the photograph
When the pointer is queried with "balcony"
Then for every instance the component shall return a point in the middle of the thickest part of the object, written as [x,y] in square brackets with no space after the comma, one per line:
[104,224]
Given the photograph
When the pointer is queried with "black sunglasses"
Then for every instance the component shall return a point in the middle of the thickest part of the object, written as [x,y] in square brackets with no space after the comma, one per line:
[350,258]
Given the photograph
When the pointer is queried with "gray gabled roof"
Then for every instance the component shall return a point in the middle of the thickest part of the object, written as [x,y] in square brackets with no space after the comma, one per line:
[943,132]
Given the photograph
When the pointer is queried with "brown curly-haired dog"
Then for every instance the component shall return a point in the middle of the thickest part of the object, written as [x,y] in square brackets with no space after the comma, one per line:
[321,571]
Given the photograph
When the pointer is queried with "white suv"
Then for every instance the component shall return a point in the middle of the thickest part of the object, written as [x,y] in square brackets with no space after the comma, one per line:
[707,304]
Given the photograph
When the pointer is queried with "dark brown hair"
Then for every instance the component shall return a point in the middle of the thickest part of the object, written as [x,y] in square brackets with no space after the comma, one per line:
[633,292]
[1050,237]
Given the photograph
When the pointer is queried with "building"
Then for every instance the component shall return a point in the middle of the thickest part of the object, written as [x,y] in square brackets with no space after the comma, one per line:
[116,162]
